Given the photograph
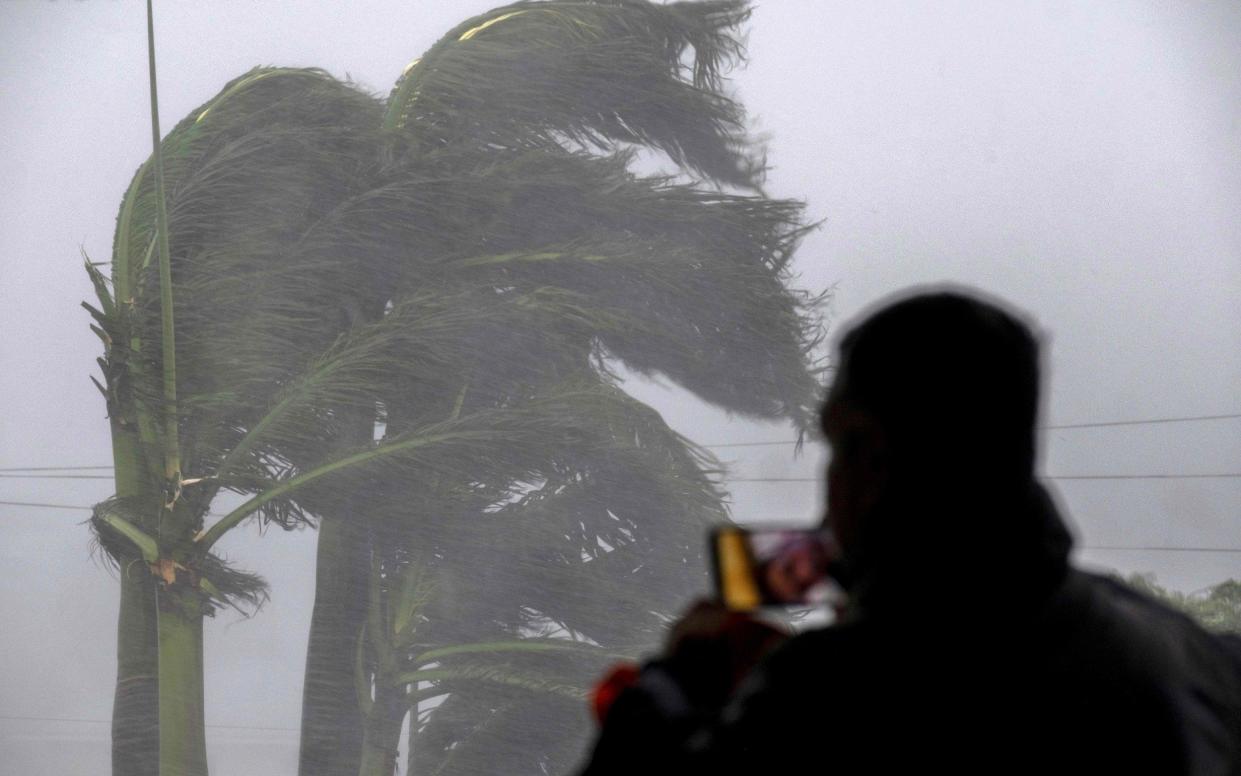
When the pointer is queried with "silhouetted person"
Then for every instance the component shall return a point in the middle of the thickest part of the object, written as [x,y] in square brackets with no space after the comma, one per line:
[971,644]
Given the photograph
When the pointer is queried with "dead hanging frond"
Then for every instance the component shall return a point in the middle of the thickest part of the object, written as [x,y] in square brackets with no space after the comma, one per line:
[129,548]
[119,532]
[242,591]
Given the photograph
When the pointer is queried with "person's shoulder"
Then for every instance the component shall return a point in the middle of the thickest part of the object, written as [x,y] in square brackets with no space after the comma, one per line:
[1160,654]
[1147,635]
[1129,612]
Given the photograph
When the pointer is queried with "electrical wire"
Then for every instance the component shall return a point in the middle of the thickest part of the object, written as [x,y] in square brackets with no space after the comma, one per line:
[1229,550]
[1054,427]
[52,468]
[109,722]
[1224,475]
[57,476]
[39,504]
[1143,422]
[1085,477]
[1121,547]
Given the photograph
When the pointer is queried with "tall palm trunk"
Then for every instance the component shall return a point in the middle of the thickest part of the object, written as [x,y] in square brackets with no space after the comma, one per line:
[332,722]
[182,740]
[135,709]
[383,731]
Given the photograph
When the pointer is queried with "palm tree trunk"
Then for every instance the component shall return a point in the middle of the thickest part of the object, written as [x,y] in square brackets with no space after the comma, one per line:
[332,720]
[135,708]
[182,736]
[331,743]
[383,731]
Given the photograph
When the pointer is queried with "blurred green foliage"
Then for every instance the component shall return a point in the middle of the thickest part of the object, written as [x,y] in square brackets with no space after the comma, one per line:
[1217,608]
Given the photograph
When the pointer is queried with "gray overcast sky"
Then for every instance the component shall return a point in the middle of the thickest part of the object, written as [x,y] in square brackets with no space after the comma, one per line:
[1081,159]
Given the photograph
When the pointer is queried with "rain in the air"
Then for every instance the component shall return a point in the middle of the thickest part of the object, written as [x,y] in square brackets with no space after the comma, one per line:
[593,387]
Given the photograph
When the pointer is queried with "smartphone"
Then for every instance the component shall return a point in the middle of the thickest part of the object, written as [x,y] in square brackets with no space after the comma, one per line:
[766,567]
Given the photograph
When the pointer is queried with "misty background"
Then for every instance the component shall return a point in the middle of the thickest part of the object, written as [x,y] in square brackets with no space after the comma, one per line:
[1081,160]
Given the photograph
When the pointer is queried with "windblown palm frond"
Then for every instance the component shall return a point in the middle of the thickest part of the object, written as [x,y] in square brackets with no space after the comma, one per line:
[534,74]
[246,174]
[695,284]
[688,283]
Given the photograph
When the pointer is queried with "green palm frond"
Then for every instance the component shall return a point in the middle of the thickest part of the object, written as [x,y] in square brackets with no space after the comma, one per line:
[532,75]
[493,729]
[558,666]
[496,445]
[530,645]
[448,679]
[696,283]
[231,126]
[687,283]
[486,719]
[245,173]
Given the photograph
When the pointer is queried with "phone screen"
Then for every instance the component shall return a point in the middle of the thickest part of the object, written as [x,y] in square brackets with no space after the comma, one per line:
[757,567]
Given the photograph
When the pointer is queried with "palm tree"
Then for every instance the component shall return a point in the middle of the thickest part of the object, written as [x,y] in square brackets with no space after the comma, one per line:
[671,278]
[245,173]
[397,318]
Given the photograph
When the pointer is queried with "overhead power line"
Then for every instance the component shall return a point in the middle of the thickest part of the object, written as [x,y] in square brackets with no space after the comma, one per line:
[778,442]
[1226,550]
[40,504]
[109,722]
[57,476]
[1110,547]
[1055,427]
[52,468]
[1144,422]
[1226,475]
[1208,476]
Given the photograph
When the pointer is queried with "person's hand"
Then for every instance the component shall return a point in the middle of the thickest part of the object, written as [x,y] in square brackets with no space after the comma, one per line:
[712,648]
[707,654]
